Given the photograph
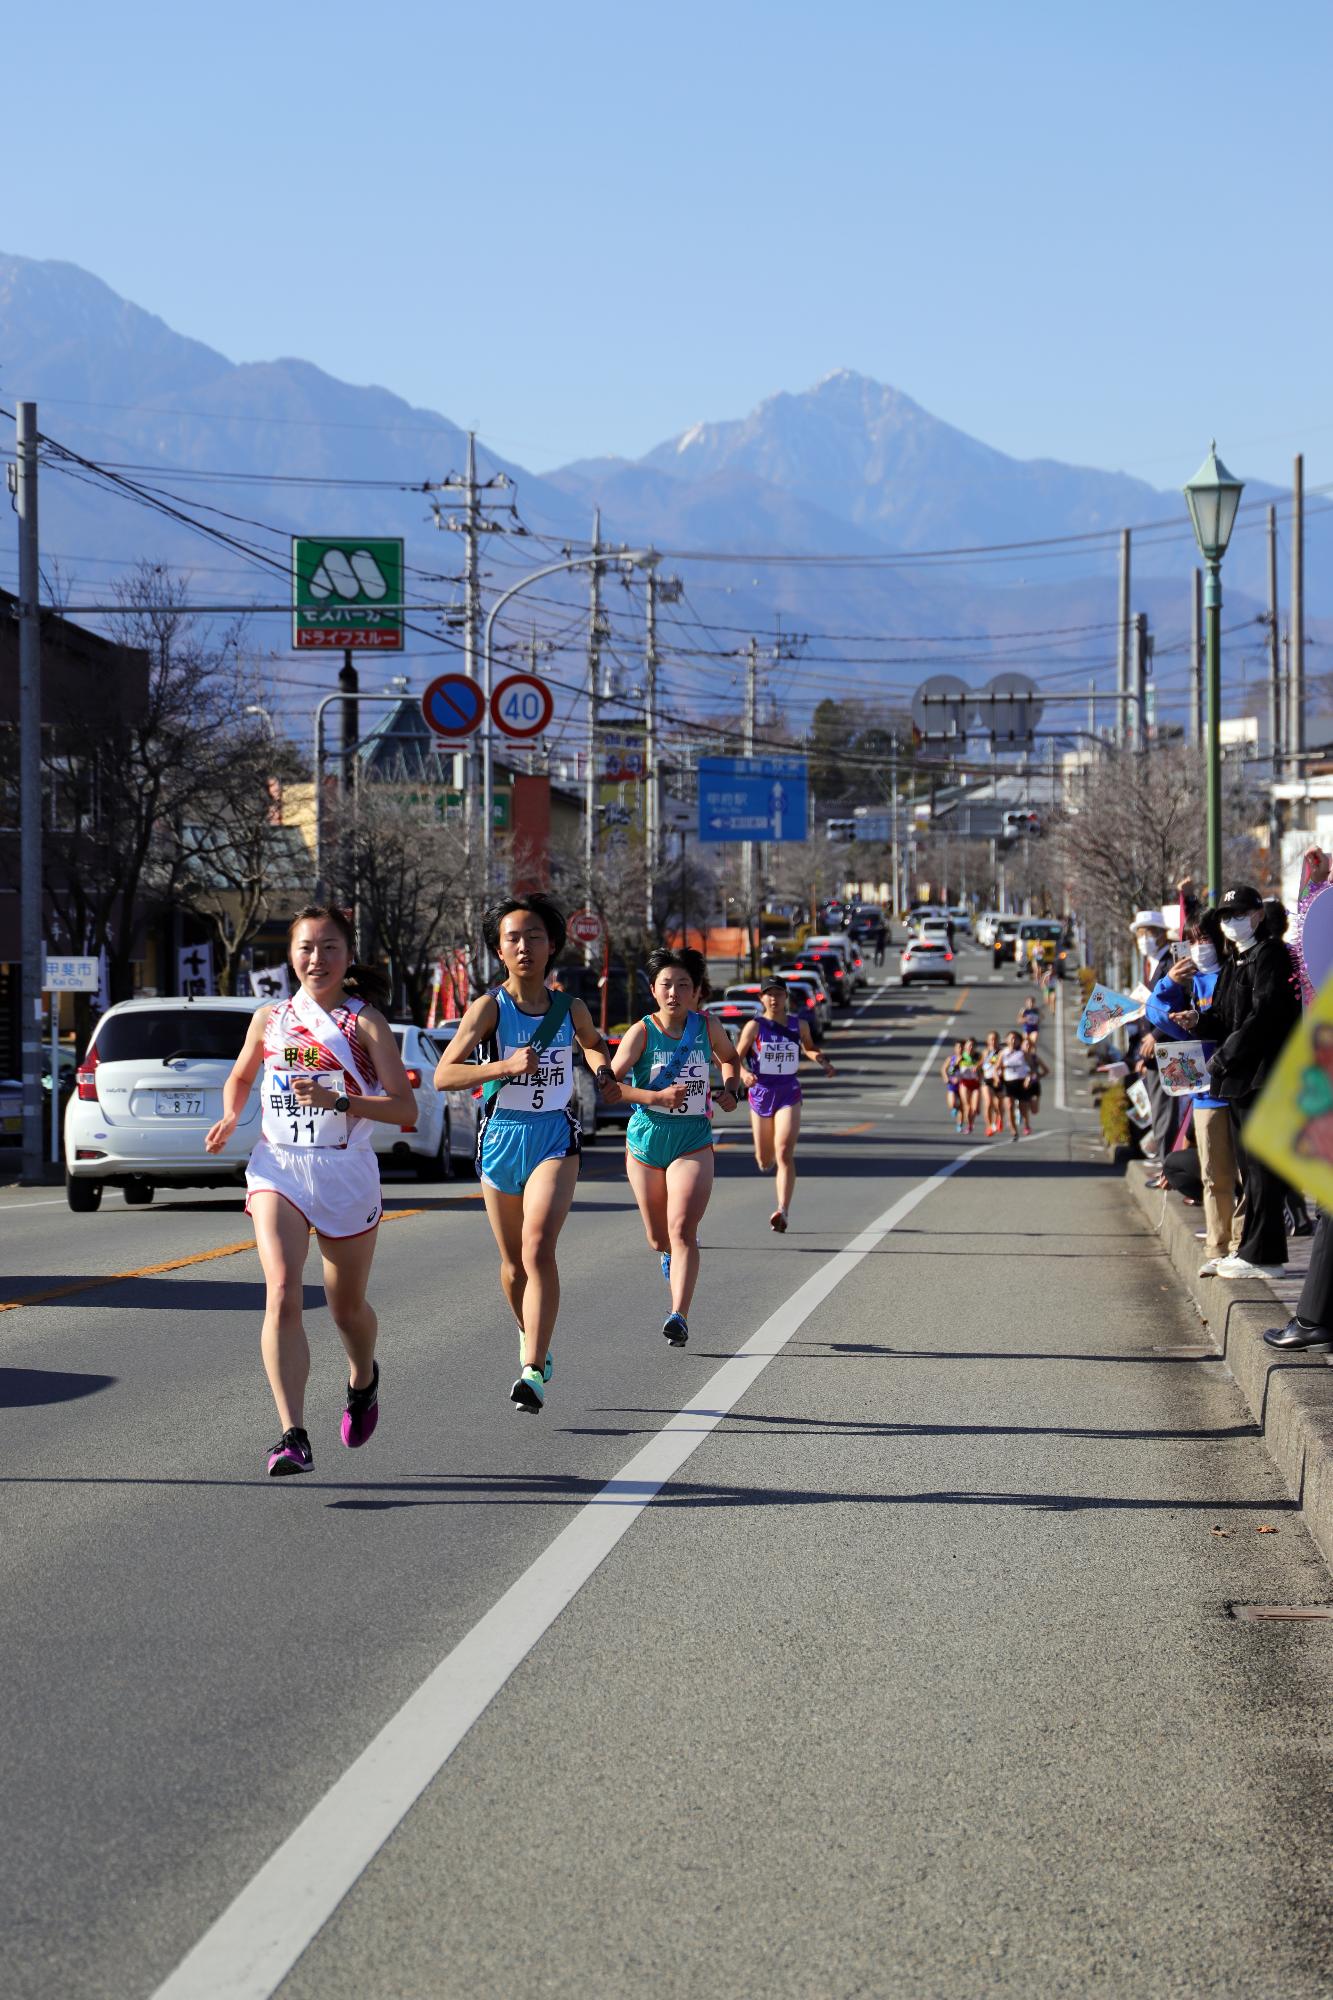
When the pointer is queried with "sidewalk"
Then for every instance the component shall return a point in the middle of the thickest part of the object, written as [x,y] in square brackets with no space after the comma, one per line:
[1291,1397]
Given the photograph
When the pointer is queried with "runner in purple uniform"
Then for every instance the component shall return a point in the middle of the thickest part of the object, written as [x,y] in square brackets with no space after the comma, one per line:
[770,1051]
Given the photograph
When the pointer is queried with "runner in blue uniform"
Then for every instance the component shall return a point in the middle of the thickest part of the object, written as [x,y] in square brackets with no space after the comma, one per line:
[665,1060]
[528,1141]
[770,1051]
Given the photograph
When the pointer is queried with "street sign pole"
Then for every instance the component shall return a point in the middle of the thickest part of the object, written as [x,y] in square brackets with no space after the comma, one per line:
[30,789]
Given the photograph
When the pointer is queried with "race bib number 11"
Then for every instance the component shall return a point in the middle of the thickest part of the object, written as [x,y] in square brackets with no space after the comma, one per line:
[288,1122]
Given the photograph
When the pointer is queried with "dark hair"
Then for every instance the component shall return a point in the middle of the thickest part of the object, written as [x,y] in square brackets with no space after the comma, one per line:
[363,982]
[1275,918]
[1206,924]
[686,960]
[537,906]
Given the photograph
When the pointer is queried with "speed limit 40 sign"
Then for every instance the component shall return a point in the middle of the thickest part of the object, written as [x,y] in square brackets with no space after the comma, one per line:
[522,705]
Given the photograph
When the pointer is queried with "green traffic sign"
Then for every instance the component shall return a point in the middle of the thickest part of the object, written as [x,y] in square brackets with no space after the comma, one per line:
[347,593]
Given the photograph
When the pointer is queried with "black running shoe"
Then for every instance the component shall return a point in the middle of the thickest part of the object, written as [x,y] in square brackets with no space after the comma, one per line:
[529,1392]
[291,1453]
[674,1330]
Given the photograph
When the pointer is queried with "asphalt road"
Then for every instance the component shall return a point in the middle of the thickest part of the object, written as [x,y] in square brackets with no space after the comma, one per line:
[908,1674]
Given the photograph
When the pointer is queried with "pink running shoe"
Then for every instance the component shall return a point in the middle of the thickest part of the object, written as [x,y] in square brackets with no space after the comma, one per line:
[290,1454]
[362,1412]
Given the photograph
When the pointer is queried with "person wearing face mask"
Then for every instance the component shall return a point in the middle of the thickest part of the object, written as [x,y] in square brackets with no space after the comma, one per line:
[1255,1004]
[1192,981]
[1153,964]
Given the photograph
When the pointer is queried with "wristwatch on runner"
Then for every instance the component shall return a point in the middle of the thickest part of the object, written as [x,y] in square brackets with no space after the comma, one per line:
[605,1074]
[341,1102]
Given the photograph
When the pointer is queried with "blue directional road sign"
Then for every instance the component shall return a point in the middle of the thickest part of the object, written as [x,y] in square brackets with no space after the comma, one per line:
[752,798]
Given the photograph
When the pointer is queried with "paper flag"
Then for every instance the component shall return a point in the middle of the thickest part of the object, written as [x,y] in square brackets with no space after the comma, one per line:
[1291,1127]
[1181,1067]
[1140,1104]
[1105,1012]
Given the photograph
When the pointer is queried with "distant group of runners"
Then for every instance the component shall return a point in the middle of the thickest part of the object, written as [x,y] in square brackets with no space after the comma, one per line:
[997,1081]
[328,1068]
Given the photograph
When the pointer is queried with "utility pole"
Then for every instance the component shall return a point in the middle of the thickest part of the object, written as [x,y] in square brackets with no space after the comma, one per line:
[1196,660]
[1275,729]
[895,905]
[1296,660]
[471,616]
[1122,644]
[30,791]
[747,849]
[669,590]
[594,676]
[1138,724]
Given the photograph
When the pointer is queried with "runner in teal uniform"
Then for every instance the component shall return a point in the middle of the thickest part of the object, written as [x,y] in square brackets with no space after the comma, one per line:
[664,1062]
[529,1142]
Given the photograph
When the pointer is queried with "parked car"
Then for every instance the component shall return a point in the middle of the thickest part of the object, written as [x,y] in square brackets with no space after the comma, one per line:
[847,950]
[809,996]
[1003,939]
[146,1092]
[926,958]
[731,1015]
[832,970]
[11,1095]
[443,1139]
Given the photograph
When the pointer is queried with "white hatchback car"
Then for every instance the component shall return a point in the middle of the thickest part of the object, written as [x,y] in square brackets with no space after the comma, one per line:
[146,1092]
[443,1140]
[927,958]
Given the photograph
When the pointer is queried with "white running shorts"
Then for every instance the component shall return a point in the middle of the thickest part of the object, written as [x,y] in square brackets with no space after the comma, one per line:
[336,1190]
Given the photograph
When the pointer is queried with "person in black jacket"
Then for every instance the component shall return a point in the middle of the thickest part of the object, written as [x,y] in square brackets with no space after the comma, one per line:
[1255,1005]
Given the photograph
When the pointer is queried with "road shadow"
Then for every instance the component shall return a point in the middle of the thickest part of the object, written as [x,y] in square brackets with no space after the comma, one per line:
[28,1388]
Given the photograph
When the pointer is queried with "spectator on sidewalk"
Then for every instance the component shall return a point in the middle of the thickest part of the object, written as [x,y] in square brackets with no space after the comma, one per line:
[1193,980]
[1154,963]
[1255,1004]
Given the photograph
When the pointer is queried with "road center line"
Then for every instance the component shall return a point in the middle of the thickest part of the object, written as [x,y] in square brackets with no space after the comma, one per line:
[249,1950]
[158,1270]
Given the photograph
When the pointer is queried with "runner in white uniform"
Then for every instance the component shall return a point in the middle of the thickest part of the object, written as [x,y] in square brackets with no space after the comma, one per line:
[331,1067]
[1016,1071]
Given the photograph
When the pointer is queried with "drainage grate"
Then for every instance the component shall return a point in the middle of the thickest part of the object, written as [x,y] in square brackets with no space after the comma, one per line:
[1272,1614]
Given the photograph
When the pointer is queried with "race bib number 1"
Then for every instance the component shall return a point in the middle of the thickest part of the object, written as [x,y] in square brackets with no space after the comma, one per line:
[288,1122]
[779,1058]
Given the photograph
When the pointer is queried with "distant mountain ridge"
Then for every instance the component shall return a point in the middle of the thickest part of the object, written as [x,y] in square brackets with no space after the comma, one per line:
[850,467]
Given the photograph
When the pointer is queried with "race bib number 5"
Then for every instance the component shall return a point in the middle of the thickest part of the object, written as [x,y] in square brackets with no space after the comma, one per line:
[547,1088]
[288,1122]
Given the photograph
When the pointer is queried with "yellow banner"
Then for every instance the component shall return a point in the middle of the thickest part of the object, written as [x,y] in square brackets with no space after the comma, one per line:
[1291,1126]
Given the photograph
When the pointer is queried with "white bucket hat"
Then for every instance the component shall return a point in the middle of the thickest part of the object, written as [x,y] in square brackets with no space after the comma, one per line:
[1149,920]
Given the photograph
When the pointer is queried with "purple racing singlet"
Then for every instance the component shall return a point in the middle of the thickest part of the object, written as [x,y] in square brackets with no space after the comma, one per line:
[775,1060]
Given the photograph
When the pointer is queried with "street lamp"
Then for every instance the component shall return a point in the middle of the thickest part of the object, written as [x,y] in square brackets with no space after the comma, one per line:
[1213,496]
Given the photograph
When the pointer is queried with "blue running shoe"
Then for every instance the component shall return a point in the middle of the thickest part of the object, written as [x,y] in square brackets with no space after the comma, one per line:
[666,1266]
[529,1392]
[674,1331]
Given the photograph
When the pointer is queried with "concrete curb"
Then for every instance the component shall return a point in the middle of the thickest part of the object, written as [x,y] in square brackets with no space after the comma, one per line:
[1291,1399]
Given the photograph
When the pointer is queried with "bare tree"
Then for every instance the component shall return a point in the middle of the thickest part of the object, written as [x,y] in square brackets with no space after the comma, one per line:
[122,783]
[409,881]
[1136,826]
[237,861]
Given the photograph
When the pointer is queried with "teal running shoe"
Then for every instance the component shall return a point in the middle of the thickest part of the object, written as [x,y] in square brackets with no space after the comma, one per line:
[529,1392]
[548,1366]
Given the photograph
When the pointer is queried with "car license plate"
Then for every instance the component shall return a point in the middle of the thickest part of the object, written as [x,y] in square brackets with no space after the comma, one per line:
[180,1103]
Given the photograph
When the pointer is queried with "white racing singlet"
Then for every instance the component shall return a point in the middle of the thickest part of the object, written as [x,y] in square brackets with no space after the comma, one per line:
[300,1039]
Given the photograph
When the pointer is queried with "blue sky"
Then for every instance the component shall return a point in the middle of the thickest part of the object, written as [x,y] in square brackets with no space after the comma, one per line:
[1091,234]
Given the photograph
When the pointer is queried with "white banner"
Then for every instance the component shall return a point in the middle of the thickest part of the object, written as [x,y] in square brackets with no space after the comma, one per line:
[194,970]
[271,982]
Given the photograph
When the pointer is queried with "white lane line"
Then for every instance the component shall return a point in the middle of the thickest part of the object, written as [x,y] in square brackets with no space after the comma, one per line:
[929,1058]
[1060,1103]
[252,1946]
